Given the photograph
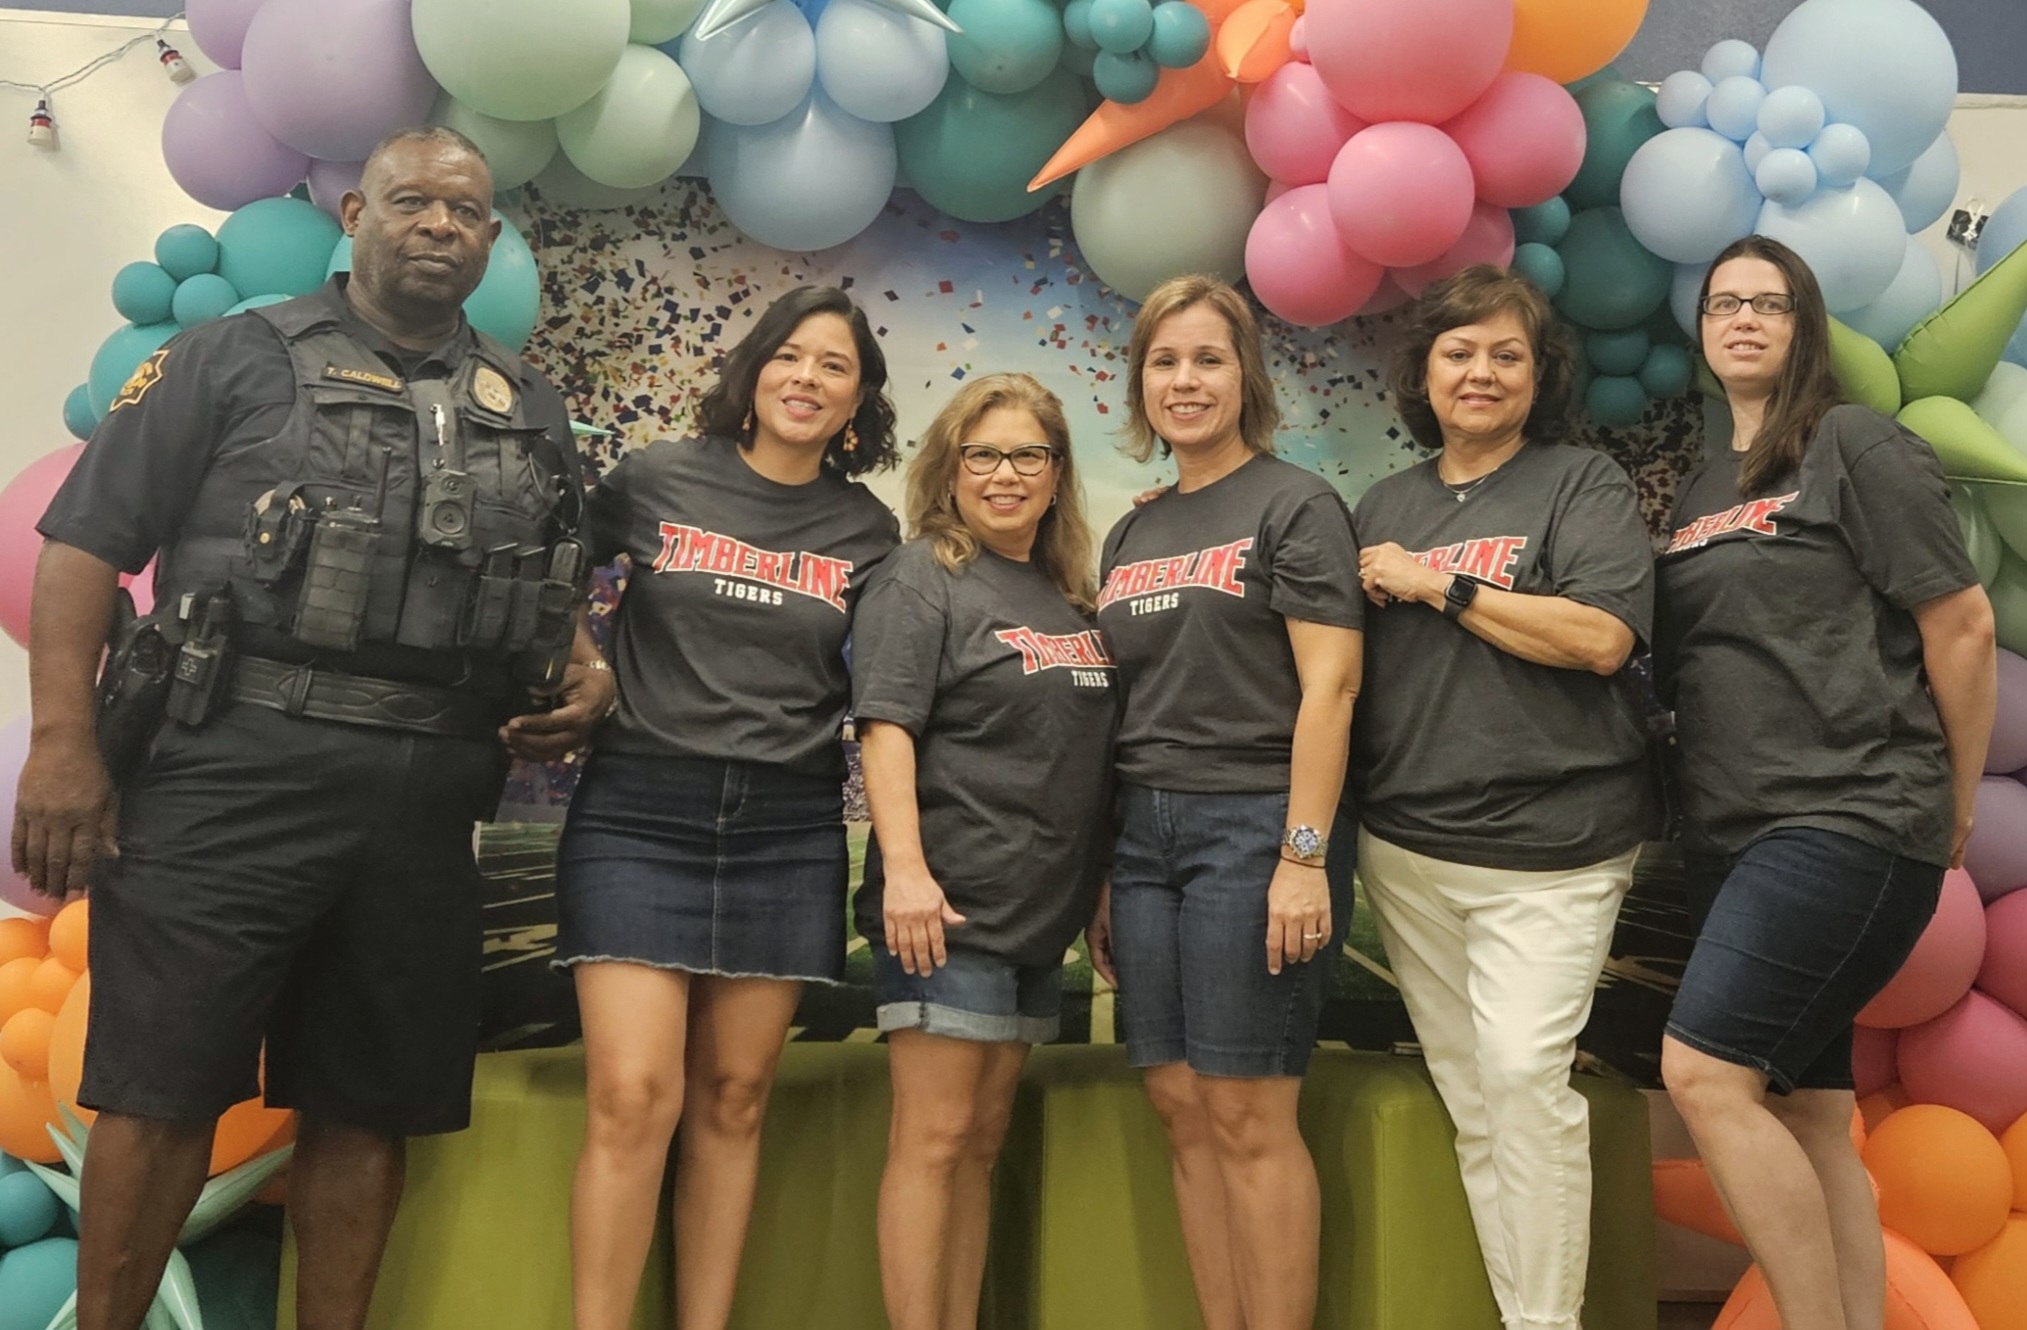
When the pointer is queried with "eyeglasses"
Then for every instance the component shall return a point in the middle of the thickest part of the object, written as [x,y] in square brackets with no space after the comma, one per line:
[1766,302]
[982,459]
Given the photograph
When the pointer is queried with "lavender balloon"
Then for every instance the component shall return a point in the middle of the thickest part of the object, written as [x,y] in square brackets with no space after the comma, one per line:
[219,153]
[1996,858]
[329,182]
[334,89]
[2009,732]
[219,27]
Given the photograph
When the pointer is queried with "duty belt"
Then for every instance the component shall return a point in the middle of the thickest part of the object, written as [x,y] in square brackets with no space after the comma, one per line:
[351,699]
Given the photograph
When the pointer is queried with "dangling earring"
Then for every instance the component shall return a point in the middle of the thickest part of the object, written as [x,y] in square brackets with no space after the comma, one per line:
[747,424]
[851,438]
[1052,501]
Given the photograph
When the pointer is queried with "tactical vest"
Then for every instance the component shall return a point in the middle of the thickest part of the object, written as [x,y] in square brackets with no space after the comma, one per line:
[418,513]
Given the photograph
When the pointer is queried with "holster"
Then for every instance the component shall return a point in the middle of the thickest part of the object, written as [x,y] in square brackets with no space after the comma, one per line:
[133,688]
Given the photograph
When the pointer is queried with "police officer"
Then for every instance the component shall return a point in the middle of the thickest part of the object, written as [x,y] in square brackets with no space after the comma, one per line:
[364,514]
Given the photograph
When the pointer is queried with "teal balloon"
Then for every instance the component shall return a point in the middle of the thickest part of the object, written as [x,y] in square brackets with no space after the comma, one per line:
[1124,78]
[186,250]
[1078,60]
[1077,24]
[1619,116]
[35,1282]
[28,1209]
[1181,35]
[1543,224]
[205,296]
[143,292]
[341,258]
[972,153]
[256,302]
[238,1276]
[79,418]
[1121,26]
[1541,265]
[276,246]
[509,298]
[119,356]
[1615,401]
[1007,46]
[1612,281]
[1666,372]
[1619,353]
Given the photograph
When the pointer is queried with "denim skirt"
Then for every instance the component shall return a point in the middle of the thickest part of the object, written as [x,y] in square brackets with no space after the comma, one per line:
[723,868]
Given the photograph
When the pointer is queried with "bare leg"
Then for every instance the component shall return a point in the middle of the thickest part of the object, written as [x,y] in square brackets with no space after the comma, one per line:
[141,1176]
[1764,1178]
[1200,1199]
[1821,1121]
[634,1033]
[1271,1196]
[344,1186]
[736,1031]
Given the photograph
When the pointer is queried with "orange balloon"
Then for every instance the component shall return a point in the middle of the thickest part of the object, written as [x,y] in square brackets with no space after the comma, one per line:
[1859,1131]
[51,984]
[1253,40]
[24,1042]
[1569,39]
[1919,1296]
[23,937]
[2014,1143]
[17,984]
[1880,1105]
[1993,1279]
[68,935]
[1685,1195]
[1943,1180]
[26,1109]
[66,1048]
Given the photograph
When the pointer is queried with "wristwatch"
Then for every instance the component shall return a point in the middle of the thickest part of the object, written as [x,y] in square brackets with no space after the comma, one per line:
[1305,845]
[1457,596]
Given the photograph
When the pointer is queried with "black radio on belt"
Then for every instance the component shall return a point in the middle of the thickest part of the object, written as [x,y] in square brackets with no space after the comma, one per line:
[197,682]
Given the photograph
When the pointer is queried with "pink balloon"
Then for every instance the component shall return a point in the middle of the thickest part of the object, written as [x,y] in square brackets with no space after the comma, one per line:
[2009,734]
[14,888]
[333,90]
[1420,60]
[2003,973]
[1386,299]
[1874,1064]
[22,504]
[1297,265]
[1401,193]
[219,153]
[1972,1058]
[1294,127]
[1996,857]
[329,182]
[1524,139]
[219,27]
[1939,970]
[1487,238]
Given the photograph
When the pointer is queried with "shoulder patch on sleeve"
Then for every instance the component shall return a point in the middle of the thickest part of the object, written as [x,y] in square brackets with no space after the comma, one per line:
[146,376]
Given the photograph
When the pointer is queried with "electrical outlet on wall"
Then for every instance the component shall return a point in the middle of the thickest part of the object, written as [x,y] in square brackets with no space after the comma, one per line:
[1966,224]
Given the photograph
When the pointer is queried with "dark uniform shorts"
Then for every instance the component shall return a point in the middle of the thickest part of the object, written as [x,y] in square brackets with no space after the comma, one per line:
[302,881]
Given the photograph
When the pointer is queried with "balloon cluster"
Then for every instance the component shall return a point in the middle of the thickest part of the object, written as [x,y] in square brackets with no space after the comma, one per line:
[38,1258]
[40,963]
[1132,41]
[1832,142]
[2005,231]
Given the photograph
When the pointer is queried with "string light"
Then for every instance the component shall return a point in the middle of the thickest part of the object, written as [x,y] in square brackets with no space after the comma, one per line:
[42,120]
[173,64]
[42,126]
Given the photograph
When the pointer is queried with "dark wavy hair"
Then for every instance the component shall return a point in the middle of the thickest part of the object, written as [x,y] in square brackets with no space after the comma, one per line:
[724,409]
[1806,388]
[1474,295]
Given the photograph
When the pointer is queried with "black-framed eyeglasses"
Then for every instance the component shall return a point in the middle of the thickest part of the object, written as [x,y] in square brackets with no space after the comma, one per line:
[1725,304]
[982,459]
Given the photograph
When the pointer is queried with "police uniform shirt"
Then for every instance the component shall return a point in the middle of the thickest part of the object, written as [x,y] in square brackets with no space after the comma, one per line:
[1011,696]
[732,630]
[1467,753]
[1788,647]
[1197,590]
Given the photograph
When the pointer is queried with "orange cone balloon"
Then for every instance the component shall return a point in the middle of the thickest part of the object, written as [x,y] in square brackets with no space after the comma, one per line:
[1685,1195]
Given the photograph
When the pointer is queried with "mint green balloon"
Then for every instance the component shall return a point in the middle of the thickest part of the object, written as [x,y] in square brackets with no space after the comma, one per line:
[657,21]
[972,153]
[516,150]
[521,59]
[637,129]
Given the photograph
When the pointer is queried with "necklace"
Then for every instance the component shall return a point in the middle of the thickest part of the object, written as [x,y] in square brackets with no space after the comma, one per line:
[1463,491]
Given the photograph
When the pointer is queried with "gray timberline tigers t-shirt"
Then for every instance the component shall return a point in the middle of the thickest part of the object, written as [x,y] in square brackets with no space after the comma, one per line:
[1197,589]
[1467,753]
[1012,697]
[1787,644]
[730,639]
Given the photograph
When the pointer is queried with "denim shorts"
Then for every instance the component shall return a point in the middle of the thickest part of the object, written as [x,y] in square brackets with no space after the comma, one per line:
[724,868]
[976,996]
[1189,933]
[1794,936]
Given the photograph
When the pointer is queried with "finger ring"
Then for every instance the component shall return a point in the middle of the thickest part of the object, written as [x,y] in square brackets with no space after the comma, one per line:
[1314,937]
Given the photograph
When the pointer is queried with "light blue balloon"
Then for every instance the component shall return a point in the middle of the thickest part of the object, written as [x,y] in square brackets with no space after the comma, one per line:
[508,299]
[1544,223]
[1121,26]
[1731,58]
[1666,372]
[80,419]
[1540,264]
[1683,291]
[1734,107]
[1621,352]
[1007,46]
[1786,175]
[1077,24]
[35,1282]
[1791,117]
[1852,239]
[1841,153]
[1181,35]
[1756,148]
[1687,194]
[143,292]
[1916,292]
[119,356]
[755,71]
[276,245]
[28,1209]
[877,64]
[186,250]
[1681,100]
[2005,230]
[205,296]
[1925,190]
[810,180]
[1884,66]
[1124,78]
[1616,401]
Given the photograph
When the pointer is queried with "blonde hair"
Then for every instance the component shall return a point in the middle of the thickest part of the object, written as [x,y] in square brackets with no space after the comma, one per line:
[1063,544]
[1259,411]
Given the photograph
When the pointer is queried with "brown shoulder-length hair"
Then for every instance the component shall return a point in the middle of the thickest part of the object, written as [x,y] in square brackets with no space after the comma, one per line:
[1474,295]
[1806,387]
[727,407]
[1259,412]
[1063,544]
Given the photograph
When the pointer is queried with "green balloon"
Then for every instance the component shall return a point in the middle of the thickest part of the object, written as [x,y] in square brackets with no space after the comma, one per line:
[1612,280]
[972,153]
[521,59]
[516,150]
[1619,116]
[1863,369]
[1981,538]
[2009,604]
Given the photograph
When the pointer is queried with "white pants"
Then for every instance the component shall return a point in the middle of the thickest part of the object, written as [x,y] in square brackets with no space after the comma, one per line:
[1497,968]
